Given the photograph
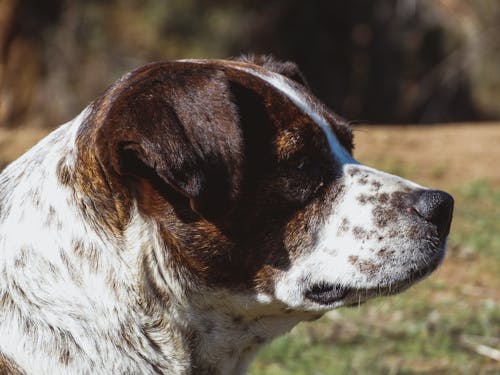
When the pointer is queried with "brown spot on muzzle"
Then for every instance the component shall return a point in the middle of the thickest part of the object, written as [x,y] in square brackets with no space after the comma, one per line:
[389,208]
[354,172]
[365,198]
[361,233]
[364,266]
[384,253]
[376,185]
[368,267]
[382,198]
[343,227]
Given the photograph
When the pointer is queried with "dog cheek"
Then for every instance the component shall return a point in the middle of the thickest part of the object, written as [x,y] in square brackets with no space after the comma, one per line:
[265,280]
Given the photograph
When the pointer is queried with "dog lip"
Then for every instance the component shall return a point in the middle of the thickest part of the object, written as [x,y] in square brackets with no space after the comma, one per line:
[326,293]
[360,295]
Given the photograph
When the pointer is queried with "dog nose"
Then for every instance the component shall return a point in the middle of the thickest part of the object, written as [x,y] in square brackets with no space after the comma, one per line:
[436,207]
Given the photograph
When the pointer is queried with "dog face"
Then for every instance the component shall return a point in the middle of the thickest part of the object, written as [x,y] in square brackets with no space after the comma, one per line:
[250,185]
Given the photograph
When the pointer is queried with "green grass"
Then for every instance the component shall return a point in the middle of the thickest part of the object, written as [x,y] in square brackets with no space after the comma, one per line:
[420,331]
[402,335]
[477,218]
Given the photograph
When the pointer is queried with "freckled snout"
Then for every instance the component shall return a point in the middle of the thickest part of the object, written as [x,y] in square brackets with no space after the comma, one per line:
[436,207]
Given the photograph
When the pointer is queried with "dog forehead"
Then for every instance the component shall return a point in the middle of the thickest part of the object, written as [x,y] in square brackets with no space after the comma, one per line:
[329,123]
[307,104]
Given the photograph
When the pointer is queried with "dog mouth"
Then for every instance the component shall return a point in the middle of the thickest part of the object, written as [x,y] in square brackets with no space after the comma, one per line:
[327,294]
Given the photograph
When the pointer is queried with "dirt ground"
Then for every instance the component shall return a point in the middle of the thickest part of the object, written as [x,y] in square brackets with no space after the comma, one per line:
[444,154]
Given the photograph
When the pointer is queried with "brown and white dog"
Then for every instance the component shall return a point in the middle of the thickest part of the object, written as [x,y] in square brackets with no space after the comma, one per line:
[188,216]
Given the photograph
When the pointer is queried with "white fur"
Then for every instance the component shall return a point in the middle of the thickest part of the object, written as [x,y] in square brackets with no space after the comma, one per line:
[63,309]
[329,261]
[59,300]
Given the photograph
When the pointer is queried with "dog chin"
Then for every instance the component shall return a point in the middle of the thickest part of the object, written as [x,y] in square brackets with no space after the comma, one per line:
[326,296]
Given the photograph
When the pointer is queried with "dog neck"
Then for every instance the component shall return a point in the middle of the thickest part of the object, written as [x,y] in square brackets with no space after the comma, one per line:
[212,340]
[213,331]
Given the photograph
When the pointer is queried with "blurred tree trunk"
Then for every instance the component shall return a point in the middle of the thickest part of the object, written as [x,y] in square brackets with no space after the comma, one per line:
[22,23]
[7,9]
[19,66]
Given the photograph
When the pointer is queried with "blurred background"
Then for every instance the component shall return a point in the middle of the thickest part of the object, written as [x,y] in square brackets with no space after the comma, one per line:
[431,63]
[383,61]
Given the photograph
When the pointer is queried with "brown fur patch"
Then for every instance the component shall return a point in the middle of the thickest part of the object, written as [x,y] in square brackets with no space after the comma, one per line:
[343,227]
[87,252]
[65,356]
[231,170]
[376,185]
[364,266]
[353,259]
[363,181]
[384,253]
[64,173]
[287,68]
[361,233]
[74,274]
[354,172]
[8,367]
[368,267]
[20,260]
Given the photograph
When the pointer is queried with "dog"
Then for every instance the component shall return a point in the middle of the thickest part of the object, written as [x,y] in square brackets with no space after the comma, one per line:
[192,213]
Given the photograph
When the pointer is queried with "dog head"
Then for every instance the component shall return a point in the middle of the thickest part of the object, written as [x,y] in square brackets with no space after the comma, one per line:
[250,187]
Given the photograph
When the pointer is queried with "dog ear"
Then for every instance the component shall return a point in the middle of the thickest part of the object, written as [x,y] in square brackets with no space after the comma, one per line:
[286,68]
[182,125]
